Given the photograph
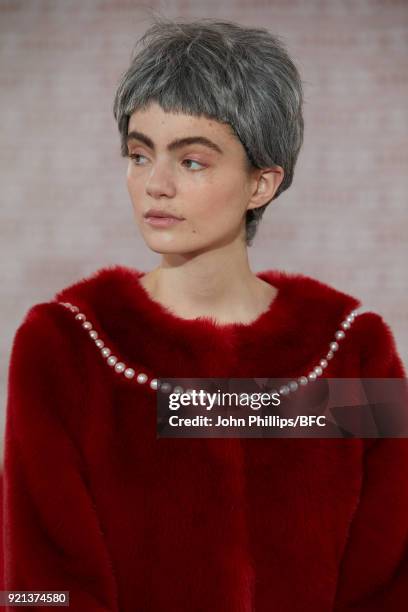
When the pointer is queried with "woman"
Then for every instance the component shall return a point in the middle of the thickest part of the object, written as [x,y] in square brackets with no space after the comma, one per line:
[210,116]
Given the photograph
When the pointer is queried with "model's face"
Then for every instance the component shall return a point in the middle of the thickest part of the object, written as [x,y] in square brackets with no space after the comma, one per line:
[208,186]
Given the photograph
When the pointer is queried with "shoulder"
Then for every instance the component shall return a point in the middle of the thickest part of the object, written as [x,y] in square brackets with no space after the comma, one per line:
[102,283]
[45,328]
[103,286]
[47,343]
[48,357]
[41,327]
[379,356]
[44,356]
[311,301]
[308,291]
[326,307]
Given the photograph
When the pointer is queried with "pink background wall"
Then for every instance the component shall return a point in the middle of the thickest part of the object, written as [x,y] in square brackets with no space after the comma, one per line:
[65,210]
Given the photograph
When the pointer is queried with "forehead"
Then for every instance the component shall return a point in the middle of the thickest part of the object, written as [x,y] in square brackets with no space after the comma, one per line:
[155,118]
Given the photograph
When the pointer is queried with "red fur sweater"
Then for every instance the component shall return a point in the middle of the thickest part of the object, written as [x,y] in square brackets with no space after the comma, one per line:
[96,505]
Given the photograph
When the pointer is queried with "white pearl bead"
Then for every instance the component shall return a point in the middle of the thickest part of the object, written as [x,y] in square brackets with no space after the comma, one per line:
[106,351]
[129,372]
[323,363]
[346,325]
[350,319]
[87,325]
[93,334]
[112,360]
[284,390]
[293,385]
[318,370]
[334,346]
[330,355]
[303,380]
[74,308]
[80,317]
[178,389]
[99,343]
[141,378]
[120,366]
[339,335]
[312,376]
[154,383]
[165,387]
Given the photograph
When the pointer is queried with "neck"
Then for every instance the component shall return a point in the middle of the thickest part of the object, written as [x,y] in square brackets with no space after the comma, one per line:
[212,284]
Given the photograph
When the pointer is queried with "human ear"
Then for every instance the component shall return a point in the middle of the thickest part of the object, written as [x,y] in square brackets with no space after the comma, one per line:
[267,182]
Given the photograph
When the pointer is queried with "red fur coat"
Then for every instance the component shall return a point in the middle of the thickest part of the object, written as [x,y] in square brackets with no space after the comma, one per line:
[96,505]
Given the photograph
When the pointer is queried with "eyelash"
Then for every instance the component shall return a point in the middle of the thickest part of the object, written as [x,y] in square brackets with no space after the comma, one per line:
[133,156]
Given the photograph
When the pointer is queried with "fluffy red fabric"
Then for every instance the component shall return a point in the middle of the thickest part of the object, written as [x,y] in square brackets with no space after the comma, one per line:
[96,505]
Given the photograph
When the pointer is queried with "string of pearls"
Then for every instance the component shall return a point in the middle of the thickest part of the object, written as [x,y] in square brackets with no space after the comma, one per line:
[153,383]
[317,370]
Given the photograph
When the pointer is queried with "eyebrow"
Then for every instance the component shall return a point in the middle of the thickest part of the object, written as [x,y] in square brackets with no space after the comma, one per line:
[175,144]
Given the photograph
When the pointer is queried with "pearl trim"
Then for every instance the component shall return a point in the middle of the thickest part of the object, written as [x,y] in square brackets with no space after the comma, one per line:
[153,383]
[317,371]
[112,360]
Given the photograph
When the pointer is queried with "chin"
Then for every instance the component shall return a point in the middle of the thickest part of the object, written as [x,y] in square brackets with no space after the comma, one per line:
[164,245]
[169,246]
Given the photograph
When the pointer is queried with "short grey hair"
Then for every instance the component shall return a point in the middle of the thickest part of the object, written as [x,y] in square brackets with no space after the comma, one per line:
[219,69]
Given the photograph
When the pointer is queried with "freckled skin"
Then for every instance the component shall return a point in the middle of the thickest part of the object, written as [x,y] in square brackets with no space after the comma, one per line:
[204,268]
[212,193]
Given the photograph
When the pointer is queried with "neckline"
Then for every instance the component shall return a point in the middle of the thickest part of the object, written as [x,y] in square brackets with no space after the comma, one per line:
[272,277]
[272,325]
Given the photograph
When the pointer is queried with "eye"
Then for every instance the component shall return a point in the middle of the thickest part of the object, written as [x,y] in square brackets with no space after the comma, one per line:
[194,162]
[133,156]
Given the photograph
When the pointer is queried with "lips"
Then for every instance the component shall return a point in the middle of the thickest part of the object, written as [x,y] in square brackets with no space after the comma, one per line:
[161,214]
[162,221]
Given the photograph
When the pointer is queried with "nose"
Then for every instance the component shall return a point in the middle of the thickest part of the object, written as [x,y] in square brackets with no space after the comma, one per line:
[160,181]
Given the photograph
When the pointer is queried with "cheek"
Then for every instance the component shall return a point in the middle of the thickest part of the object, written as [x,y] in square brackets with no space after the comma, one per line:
[130,182]
[135,190]
[223,201]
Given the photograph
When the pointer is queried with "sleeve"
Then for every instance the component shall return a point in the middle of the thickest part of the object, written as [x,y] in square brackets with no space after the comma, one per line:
[53,540]
[373,574]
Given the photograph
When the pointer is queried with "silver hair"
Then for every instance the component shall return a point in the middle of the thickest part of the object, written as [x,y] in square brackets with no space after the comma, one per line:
[219,69]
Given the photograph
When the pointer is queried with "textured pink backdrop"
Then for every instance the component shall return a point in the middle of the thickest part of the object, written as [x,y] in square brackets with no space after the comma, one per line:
[65,208]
